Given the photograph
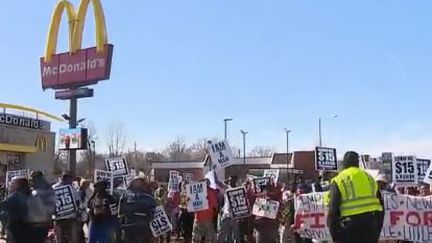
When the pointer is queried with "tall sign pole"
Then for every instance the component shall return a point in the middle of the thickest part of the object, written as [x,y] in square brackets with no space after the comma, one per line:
[68,73]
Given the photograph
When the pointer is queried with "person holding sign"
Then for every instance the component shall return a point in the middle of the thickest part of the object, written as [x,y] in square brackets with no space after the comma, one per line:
[355,204]
[229,227]
[15,205]
[103,214]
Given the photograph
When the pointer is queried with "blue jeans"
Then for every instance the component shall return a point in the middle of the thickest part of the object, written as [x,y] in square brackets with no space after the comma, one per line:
[101,232]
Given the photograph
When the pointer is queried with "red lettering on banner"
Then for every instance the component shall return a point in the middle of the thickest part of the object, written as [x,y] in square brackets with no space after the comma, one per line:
[395,217]
[427,218]
[299,220]
[414,215]
[317,217]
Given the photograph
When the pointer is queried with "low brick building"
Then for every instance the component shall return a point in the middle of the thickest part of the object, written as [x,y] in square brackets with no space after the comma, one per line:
[300,164]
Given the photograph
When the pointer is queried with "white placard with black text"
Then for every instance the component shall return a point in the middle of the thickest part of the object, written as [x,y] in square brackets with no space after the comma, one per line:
[220,153]
[325,159]
[197,194]
[118,166]
[65,201]
[160,223]
[265,208]
[102,175]
[174,181]
[238,202]
[16,173]
[273,174]
[422,167]
[404,171]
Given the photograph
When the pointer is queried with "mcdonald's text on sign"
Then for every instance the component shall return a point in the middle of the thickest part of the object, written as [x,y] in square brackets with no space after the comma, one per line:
[77,67]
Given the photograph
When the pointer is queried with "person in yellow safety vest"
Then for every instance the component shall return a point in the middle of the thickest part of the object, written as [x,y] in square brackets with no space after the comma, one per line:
[355,205]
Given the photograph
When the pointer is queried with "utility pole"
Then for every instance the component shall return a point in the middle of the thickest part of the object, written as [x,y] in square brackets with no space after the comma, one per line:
[73,124]
[244,146]
[136,154]
[287,131]
[319,132]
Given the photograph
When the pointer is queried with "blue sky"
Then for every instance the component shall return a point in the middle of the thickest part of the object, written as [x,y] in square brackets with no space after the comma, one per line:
[180,67]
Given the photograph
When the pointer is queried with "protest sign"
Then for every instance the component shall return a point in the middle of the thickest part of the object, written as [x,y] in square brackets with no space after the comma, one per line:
[220,153]
[118,166]
[422,166]
[197,193]
[238,203]
[260,183]
[160,224]
[406,217]
[65,201]
[428,177]
[325,159]
[102,175]
[273,174]
[16,173]
[311,216]
[188,178]
[174,181]
[265,208]
[404,170]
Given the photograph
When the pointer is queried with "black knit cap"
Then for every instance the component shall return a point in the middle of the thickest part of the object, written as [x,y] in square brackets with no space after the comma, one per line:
[351,159]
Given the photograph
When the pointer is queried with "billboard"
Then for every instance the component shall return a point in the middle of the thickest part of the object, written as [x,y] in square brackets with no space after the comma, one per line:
[73,138]
[77,67]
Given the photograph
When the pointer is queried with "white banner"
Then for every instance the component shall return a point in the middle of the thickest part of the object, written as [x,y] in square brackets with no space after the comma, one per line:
[404,171]
[118,166]
[174,181]
[273,174]
[220,153]
[16,173]
[238,202]
[65,201]
[197,194]
[160,223]
[325,159]
[102,175]
[265,208]
[406,217]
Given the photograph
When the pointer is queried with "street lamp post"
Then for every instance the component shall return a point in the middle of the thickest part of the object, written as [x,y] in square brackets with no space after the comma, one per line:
[244,146]
[226,120]
[320,129]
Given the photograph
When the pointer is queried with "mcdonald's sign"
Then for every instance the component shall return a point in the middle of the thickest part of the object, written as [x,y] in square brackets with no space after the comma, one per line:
[78,67]
[41,143]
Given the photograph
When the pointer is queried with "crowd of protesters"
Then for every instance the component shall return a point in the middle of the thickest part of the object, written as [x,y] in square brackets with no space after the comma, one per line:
[125,215]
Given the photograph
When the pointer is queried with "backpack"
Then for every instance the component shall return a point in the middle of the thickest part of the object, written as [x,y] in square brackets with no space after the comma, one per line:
[41,206]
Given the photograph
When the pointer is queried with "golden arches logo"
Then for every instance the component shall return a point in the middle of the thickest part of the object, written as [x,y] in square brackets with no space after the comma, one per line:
[76,26]
[41,143]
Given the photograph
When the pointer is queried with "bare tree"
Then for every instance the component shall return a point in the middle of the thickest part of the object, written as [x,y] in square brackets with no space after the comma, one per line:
[177,150]
[116,139]
[261,151]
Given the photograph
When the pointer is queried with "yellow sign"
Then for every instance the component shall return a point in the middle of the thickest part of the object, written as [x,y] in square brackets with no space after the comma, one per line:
[41,143]
[76,26]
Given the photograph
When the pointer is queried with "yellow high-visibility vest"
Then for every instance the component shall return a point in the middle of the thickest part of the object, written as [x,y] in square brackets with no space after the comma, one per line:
[358,192]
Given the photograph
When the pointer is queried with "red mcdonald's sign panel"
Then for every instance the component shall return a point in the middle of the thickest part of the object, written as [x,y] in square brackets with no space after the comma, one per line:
[77,67]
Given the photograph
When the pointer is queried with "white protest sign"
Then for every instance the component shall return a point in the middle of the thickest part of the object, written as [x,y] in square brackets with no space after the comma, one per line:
[220,153]
[174,181]
[211,177]
[310,219]
[404,170]
[422,167]
[273,174]
[65,201]
[102,175]
[16,173]
[325,159]
[428,177]
[260,183]
[197,193]
[160,223]
[188,178]
[265,208]
[238,203]
[118,166]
